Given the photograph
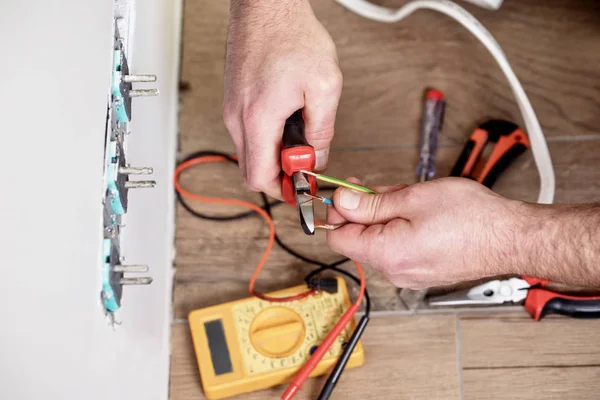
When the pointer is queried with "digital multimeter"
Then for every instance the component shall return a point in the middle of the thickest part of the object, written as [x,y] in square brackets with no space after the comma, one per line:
[253,344]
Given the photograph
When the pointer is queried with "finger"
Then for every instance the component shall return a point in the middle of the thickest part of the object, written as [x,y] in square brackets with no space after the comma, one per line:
[263,120]
[336,239]
[262,168]
[378,189]
[374,244]
[369,209]
[354,180]
[334,217]
[321,101]
[262,138]
[233,123]
[388,189]
[254,135]
[240,152]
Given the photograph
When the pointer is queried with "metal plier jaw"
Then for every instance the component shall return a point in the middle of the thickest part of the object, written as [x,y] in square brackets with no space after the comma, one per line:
[297,155]
[493,292]
[537,300]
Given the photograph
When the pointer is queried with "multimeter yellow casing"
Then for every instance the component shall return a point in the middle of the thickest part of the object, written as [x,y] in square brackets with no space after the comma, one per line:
[253,344]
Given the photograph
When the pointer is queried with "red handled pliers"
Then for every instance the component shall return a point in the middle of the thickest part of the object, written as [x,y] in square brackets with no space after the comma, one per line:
[538,301]
[297,155]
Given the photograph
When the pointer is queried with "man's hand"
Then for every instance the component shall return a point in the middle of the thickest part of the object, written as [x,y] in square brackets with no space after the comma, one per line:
[279,59]
[429,234]
[454,229]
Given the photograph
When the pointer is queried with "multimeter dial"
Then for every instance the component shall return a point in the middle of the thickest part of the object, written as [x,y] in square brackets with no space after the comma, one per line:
[277,332]
[281,335]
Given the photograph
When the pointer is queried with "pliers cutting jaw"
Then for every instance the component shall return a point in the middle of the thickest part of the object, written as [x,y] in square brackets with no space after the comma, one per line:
[304,203]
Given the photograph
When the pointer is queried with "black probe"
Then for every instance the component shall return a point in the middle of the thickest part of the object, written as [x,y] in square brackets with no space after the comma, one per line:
[336,373]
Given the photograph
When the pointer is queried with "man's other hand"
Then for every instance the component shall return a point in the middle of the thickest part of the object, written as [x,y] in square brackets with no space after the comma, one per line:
[429,234]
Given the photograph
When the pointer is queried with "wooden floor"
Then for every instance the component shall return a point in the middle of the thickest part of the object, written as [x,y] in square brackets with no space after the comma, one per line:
[554,48]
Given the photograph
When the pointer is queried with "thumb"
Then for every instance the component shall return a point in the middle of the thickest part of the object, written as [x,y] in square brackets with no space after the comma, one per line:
[369,209]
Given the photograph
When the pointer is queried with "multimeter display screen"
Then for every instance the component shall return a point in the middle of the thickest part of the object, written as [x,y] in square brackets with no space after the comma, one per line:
[219,353]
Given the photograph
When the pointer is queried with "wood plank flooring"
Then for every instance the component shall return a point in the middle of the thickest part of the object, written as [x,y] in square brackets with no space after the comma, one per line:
[424,345]
[554,48]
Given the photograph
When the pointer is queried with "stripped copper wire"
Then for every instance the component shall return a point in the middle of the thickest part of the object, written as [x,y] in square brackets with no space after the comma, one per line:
[323,199]
[329,227]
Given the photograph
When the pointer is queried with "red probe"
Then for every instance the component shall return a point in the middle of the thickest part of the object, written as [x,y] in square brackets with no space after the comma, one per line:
[316,357]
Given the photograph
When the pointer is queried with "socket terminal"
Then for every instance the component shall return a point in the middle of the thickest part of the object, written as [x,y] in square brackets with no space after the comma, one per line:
[113,278]
[111,295]
[118,183]
[117,194]
[122,84]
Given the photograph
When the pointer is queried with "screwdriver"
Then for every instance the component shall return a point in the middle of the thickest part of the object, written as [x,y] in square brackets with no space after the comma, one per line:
[433,116]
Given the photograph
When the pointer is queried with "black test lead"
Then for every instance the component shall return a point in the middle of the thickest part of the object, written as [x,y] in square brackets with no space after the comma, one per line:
[336,373]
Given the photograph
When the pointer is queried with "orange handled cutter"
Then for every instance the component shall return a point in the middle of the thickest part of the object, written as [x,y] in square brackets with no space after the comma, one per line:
[297,155]
[508,141]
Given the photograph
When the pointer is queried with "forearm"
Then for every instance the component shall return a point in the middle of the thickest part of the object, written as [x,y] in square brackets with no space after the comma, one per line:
[243,6]
[561,243]
[259,25]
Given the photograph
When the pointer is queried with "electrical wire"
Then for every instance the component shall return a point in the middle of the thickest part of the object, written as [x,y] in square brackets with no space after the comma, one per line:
[233,159]
[265,212]
[339,182]
[489,4]
[539,147]
[268,206]
[234,202]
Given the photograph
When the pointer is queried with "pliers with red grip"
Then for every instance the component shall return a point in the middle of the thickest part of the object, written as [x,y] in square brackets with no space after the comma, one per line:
[296,156]
[508,141]
[538,301]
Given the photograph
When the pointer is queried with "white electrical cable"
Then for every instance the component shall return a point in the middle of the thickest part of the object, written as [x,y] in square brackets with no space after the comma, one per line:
[539,147]
[489,4]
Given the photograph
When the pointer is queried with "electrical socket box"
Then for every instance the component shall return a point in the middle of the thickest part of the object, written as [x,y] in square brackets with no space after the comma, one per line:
[117,171]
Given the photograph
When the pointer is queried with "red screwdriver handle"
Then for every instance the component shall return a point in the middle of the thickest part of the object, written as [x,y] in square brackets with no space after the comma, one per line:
[541,302]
